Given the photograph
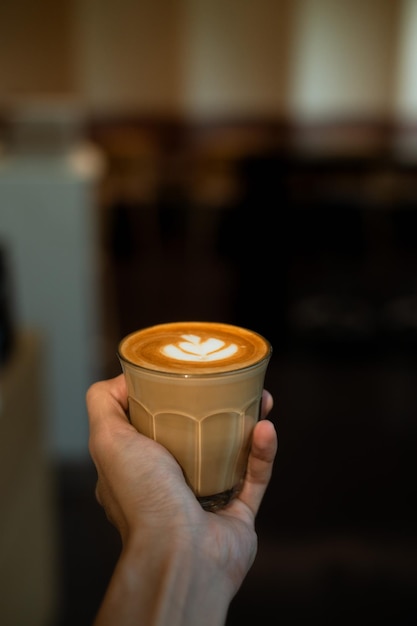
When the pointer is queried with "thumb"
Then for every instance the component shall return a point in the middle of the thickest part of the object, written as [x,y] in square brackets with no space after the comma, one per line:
[260,464]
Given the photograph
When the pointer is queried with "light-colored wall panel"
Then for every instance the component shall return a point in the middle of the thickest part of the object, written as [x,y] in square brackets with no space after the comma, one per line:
[344,58]
[406,86]
[236,56]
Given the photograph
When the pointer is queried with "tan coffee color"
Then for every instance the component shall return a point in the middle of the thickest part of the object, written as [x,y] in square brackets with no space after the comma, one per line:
[196,388]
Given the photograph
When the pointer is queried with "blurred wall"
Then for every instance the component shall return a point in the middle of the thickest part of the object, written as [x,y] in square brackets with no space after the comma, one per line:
[127,54]
[36,48]
[236,57]
[344,58]
[204,58]
[406,79]
[296,59]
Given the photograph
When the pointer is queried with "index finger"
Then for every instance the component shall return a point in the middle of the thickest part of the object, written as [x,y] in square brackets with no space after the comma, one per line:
[107,400]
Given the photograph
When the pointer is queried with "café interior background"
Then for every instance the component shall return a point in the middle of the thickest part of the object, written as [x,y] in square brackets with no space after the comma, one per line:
[251,162]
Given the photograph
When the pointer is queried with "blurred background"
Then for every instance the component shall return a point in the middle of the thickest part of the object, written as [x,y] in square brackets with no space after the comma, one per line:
[253,163]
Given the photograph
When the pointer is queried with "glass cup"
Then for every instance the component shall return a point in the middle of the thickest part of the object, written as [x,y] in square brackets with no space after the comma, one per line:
[196,388]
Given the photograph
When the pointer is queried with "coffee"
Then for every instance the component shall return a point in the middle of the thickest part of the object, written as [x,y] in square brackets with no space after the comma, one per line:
[194,347]
[196,387]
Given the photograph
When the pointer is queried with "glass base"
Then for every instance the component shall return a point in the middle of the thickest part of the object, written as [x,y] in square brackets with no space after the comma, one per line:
[218,500]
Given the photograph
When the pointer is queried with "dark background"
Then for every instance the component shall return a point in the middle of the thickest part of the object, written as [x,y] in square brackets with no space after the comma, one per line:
[319,254]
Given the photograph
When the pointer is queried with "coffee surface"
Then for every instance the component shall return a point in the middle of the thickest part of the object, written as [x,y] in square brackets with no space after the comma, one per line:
[194,347]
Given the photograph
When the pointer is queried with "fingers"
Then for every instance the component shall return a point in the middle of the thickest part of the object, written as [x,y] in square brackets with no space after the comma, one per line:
[260,465]
[106,407]
[107,401]
[114,388]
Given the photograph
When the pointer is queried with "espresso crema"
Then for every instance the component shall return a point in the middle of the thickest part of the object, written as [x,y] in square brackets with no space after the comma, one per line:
[194,347]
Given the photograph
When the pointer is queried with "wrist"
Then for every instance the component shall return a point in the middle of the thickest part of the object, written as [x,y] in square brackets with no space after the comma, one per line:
[165,586]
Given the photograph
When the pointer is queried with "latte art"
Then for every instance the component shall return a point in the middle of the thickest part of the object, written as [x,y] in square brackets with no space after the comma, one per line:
[196,349]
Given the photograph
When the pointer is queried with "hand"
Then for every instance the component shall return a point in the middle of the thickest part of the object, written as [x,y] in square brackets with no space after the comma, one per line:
[143,492]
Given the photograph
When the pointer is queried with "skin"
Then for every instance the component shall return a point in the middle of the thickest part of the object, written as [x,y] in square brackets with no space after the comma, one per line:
[179,565]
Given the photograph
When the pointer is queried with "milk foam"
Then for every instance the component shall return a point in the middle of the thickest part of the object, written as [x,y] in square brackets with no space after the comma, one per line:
[194,347]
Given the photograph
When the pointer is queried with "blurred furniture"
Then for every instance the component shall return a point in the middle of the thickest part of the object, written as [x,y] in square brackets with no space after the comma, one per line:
[27,523]
[49,222]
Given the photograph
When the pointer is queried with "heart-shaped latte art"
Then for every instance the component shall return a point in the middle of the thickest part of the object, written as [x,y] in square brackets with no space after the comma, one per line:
[195,349]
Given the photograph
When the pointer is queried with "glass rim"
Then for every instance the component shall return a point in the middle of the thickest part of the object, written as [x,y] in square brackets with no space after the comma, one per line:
[213,370]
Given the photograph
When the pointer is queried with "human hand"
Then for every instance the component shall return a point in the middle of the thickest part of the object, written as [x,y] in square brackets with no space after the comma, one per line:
[143,491]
